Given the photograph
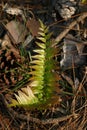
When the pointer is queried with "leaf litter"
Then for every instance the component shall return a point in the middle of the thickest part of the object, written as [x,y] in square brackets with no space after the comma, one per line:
[19,22]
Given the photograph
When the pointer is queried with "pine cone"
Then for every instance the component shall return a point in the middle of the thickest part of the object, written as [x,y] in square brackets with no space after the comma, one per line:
[9,67]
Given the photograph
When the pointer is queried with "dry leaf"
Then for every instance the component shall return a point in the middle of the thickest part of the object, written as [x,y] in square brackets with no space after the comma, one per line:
[17,31]
[33,25]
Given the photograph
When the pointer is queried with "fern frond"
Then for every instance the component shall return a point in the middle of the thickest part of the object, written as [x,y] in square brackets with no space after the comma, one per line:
[25,97]
[43,80]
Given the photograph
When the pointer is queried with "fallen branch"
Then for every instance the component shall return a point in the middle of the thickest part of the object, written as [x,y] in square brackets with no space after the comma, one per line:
[63,34]
[39,121]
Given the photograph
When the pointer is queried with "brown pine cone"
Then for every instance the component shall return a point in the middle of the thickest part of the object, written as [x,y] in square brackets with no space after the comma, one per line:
[9,67]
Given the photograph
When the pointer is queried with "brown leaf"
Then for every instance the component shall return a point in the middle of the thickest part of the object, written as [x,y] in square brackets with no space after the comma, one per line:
[17,32]
[33,25]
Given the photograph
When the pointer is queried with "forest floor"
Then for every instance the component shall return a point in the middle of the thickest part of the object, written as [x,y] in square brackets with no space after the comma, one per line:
[19,25]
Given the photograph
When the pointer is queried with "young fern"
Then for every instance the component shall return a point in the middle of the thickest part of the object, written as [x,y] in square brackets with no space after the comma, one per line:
[40,91]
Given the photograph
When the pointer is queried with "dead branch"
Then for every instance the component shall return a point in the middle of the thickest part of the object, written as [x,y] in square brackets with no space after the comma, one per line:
[38,121]
[63,34]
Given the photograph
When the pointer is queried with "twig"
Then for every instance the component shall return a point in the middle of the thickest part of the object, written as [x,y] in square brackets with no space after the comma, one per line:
[68,79]
[39,121]
[62,34]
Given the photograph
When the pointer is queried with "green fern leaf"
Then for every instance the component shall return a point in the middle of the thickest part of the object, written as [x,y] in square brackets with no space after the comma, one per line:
[40,91]
[41,45]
